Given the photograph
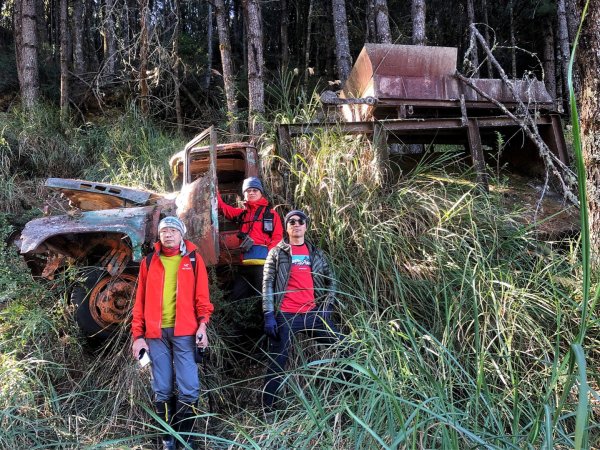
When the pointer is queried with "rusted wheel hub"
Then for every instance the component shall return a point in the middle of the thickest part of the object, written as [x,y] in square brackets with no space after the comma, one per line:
[111,299]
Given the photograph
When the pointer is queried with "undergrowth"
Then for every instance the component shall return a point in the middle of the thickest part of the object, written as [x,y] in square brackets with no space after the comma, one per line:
[460,322]
[126,149]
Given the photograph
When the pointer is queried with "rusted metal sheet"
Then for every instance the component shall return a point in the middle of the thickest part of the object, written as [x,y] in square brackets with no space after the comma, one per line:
[89,195]
[130,222]
[449,89]
[398,61]
[197,206]
[407,78]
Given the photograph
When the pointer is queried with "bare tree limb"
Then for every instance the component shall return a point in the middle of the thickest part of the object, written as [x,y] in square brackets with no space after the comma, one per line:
[527,122]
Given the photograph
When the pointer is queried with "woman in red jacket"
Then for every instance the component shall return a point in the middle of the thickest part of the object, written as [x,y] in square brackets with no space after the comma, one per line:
[260,230]
[170,314]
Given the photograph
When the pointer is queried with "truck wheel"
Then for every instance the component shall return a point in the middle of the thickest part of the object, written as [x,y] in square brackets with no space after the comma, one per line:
[103,302]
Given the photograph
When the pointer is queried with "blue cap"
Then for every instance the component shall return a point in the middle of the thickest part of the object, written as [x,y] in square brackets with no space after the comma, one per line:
[252,182]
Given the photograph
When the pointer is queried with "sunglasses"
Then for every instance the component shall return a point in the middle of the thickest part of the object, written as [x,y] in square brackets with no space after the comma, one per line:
[293,222]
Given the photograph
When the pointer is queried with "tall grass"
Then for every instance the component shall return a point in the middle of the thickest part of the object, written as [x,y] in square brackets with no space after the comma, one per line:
[125,149]
[459,317]
[464,330]
[132,151]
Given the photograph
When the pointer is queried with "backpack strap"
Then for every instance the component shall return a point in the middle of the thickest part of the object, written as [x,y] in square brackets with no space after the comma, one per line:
[192,256]
[149,260]
[240,219]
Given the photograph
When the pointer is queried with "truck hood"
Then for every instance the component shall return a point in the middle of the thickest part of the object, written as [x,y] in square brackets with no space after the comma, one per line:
[91,196]
[131,222]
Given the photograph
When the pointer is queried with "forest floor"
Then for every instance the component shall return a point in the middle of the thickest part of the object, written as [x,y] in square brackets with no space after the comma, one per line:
[553,216]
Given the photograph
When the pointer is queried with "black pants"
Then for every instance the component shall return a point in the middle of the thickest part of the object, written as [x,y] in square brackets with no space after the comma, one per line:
[246,307]
[247,283]
[288,325]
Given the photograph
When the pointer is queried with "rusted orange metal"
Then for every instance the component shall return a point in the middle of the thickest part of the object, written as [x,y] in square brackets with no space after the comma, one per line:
[111,299]
[418,81]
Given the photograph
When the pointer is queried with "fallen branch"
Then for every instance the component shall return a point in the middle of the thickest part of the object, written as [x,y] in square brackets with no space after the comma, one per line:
[527,123]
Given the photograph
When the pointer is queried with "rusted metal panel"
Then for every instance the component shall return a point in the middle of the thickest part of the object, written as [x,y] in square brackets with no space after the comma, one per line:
[194,207]
[398,61]
[407,76]
[130,222]
[197,206]
[448,89]
[89,195]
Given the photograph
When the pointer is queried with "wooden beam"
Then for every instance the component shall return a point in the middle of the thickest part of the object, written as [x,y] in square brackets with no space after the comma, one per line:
[477,153]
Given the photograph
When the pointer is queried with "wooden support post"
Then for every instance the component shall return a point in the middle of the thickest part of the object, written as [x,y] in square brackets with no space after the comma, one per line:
[554,138]
[477,154]
[382,154]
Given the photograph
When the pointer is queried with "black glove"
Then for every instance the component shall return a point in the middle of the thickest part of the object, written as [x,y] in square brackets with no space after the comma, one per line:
[270,325]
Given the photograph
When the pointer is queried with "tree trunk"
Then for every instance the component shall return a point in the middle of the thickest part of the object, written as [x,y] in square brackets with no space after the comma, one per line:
[228,78]
[490,67]
[176,82]
[92,61]
[26,52]
[418,20]
[309,23]
[371,33]
[573,18]
[513,39]
[256,63]
[64,60]
[43,27]
[563,43]
[342,45]
[209,46]
[382,22]
[126,32]
[110,39]
[474,58]
[78,37]
[284,30]
[549,62]
[418,37]
[589,65]
[144,91]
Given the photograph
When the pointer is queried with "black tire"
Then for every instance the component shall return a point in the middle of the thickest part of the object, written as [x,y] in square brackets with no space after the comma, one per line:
[86,318]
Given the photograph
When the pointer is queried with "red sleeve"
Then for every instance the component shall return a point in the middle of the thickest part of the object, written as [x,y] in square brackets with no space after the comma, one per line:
[277,235]
[230,212]
[204,307]
[138,323]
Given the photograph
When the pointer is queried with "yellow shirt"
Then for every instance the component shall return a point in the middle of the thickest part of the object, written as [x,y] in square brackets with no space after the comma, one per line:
[171,265]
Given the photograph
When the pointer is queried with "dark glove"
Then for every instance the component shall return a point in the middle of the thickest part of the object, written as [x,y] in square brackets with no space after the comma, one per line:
[270,325]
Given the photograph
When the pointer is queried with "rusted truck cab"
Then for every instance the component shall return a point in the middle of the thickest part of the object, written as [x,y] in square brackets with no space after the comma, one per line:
[109,229]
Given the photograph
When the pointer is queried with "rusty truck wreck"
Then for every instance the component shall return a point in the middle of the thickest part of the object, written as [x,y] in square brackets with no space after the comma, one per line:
[110,228]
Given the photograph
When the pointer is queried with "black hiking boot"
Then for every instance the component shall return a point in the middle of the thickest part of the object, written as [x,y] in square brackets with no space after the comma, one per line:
[185,420]
[166,410]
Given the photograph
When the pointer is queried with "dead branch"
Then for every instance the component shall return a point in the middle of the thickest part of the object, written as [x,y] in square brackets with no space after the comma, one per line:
[527,123]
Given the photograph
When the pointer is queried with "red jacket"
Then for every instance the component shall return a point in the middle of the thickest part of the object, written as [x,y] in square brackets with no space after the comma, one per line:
[192,304]
[255,231]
